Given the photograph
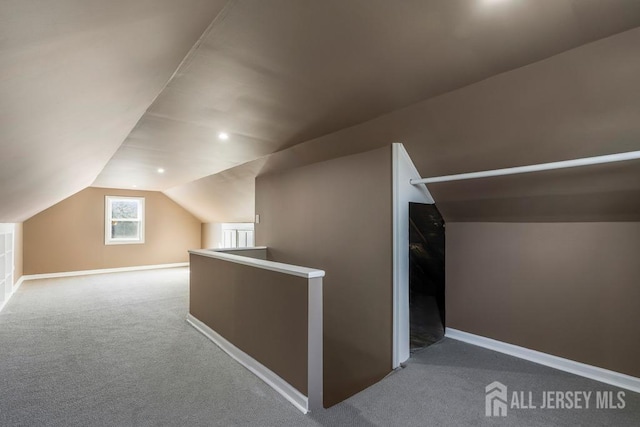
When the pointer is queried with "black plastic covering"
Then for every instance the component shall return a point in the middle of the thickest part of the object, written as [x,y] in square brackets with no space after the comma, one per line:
[426,275]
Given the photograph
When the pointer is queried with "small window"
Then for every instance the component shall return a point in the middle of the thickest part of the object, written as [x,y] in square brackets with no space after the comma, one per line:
[124,220]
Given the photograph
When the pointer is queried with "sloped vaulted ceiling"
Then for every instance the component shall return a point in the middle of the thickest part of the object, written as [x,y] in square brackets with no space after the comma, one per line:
[77,77]
[581,103]
[277,73]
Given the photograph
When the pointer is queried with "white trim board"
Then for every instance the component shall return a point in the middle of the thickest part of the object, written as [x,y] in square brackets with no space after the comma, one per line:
[588,371]
[299,400]
[103,271]
[18,284]
[294,270]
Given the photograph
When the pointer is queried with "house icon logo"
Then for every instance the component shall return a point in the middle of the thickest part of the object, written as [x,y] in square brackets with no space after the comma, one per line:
[495,401]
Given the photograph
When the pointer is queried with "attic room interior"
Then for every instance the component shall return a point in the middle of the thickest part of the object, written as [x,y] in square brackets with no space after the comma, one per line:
[322,213]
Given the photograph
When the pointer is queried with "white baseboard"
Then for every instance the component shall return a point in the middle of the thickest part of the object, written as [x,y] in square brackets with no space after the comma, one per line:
[18,283]
[299,400]
[102,271]
[588,371]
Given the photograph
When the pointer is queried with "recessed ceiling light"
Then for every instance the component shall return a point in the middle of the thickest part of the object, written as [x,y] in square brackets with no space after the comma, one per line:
[223,136]
[134,186]
[160,170]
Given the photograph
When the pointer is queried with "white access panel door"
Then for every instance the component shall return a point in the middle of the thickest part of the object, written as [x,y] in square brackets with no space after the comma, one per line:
[6,261]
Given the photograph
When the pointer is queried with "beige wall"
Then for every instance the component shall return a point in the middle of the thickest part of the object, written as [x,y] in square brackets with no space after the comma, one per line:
[568,289]
[211,233]
[601,193]
[17,252]
[577,104]
[69,236]
[336,216]
[263,313]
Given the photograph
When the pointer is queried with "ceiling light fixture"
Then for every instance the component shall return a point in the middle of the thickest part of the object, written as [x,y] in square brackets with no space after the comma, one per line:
[160,170]
[134,186]
[223,136]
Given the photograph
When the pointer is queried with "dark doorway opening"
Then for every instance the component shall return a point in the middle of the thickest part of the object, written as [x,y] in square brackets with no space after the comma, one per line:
[426,275]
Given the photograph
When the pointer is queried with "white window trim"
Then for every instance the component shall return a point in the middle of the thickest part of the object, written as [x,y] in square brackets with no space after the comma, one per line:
[107,222]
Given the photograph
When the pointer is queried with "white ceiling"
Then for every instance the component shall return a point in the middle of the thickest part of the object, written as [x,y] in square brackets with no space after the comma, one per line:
[583,102]
[77,77]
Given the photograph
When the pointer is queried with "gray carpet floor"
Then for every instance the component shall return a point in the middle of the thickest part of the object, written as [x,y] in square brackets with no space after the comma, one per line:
[115,350]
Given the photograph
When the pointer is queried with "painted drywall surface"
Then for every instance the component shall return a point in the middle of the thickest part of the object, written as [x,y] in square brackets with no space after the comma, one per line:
[224,197]
[567,289]
[274,76]
[336,216]
[580,103]
[601,193]
[583,102]
[263,313]
[211,235]
[69,236]
[75,78]
[250,253]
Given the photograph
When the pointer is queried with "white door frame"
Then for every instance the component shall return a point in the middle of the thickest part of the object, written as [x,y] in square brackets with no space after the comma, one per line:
[403,192]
